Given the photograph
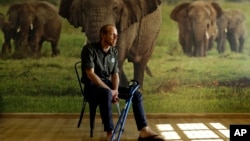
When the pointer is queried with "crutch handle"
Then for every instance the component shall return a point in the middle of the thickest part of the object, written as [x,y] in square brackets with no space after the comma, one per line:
[133,86]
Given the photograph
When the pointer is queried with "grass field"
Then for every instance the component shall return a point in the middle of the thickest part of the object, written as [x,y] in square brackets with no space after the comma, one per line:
[181,84]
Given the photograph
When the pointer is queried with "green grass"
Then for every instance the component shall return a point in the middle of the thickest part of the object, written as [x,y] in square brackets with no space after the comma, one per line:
[181,84]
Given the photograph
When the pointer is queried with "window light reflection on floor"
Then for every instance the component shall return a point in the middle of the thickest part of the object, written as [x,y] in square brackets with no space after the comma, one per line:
[204,134]
[192,126]
[221,128]
[218,125]
[226,133]
[194,131]
[167,131]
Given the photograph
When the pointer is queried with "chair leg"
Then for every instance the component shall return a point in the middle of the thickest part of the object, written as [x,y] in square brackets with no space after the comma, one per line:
[118,108]
[82,113]
[92,112]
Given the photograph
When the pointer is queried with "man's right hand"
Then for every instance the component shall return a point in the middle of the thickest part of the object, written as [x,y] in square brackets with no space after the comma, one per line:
[115,96]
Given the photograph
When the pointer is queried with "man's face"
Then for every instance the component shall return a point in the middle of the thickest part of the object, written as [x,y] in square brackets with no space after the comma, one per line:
[111,37]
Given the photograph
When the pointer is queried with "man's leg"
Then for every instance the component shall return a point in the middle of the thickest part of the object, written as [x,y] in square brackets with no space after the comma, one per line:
[104,98]
[137,105]
[138,111]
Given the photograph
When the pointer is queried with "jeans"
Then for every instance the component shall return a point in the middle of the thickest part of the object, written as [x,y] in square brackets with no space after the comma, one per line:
[103,97]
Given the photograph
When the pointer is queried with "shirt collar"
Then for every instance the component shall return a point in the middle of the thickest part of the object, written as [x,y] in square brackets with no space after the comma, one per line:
[100,48]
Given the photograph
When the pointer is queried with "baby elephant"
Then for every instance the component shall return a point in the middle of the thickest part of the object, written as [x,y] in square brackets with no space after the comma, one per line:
[231,26]
[35,22]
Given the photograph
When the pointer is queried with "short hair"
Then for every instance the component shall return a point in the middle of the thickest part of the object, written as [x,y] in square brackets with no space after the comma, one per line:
[104,29]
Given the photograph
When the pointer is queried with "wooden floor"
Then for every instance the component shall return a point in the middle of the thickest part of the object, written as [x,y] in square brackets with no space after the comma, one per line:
[174,127]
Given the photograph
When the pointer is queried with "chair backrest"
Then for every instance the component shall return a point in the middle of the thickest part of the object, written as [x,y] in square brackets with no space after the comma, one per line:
[78,72]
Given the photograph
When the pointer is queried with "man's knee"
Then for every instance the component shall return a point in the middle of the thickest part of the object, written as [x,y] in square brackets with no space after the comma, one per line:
[137,97]
[105,93]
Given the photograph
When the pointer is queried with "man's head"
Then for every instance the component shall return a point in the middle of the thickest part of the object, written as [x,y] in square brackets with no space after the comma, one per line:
[109,35]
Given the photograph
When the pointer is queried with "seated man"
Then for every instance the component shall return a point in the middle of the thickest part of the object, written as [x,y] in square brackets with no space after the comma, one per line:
[101,78]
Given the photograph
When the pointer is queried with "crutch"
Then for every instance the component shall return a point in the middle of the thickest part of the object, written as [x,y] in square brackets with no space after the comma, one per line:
[133,86]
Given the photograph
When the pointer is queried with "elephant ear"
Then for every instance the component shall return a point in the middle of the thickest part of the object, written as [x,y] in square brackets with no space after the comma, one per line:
[71,10]
[236,17]
[13,12]
[134,10]
[217,8]
[179,13]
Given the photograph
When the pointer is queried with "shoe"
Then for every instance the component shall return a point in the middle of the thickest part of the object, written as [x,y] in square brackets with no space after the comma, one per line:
[109,139]
[151,138]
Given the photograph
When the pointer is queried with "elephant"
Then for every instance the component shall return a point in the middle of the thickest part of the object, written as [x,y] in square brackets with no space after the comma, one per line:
[34,23]
[137,21]
[231,27]
[197,25]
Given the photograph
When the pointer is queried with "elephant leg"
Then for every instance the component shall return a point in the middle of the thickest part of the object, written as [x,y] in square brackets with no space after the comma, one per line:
[241,42]
[197,50]
[33,43]
[221,45]
[123,78]
[211,43]
[204,48]
[139,69]
[6,47]
[232,42]
[188,46]
[35,49]
[55,50]
[183,43]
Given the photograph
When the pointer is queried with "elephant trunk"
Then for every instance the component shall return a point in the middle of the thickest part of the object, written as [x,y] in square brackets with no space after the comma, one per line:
[97,18]
[200,39]
[23,34]
[92,32]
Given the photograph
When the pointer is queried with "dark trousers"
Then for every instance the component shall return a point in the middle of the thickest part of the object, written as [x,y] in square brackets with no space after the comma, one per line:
[103,97]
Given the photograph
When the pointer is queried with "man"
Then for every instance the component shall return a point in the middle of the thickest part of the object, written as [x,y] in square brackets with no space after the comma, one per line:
[101,78]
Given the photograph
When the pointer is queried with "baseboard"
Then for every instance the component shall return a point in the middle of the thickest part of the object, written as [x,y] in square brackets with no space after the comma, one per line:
[130,115]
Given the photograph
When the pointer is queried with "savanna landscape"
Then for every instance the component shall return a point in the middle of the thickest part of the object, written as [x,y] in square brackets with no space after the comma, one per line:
[217,83]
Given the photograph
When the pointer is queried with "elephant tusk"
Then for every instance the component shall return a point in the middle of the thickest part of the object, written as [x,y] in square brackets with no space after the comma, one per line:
[225,30]
[207,35]
[18,29]
[31,26]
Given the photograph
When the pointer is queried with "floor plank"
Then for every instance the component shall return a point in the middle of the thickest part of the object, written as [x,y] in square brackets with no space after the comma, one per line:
[40,128]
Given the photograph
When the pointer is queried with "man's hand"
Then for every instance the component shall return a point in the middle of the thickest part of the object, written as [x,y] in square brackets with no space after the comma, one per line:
[115,96]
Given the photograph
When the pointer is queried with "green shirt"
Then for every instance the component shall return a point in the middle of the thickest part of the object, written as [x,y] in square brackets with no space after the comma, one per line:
[104,64]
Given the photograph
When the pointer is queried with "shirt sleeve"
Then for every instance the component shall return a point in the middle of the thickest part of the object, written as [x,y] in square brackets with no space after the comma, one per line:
[87,57]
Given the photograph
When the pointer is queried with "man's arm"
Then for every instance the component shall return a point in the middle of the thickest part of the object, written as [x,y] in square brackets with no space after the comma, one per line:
[95,78]
[97,81]
[115,81]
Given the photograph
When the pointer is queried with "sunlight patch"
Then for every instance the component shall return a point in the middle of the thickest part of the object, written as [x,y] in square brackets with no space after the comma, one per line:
[170,135]
[194,131]
[218,125]
[165,127]
[226,133]
[201,134]
[192,126]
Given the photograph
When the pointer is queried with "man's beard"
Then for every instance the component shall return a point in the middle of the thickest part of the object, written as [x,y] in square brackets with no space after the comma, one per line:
[111,43]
